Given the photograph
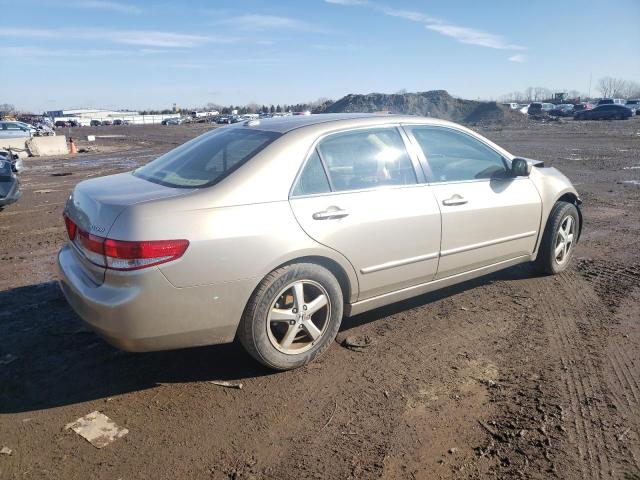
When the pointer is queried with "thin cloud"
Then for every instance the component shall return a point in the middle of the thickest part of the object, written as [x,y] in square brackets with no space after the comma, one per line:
[348,2]
[259,22]
[144,38]
[467,35]
[25,52]
[105,5]
[406,14]
[472,36]
[518,58]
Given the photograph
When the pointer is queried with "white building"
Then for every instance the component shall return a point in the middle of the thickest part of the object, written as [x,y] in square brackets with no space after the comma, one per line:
[84,116]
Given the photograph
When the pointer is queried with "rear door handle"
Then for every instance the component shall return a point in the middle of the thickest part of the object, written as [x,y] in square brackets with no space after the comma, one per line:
[454,200]
[330,214]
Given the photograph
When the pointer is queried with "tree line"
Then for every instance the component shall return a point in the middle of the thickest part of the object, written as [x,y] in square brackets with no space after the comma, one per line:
[608,87]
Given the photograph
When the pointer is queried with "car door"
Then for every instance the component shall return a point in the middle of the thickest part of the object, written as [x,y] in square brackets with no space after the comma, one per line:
[488,216]
[362,194]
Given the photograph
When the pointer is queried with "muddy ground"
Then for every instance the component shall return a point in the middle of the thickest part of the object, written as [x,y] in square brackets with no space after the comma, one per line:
[513,375]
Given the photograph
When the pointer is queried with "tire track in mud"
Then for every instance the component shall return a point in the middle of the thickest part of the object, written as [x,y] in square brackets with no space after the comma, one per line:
[571,312]
[616,284]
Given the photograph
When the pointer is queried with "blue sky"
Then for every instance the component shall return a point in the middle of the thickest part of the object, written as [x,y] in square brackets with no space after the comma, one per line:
[149,54]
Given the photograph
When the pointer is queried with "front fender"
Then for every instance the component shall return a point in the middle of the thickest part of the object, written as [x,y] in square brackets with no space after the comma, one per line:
[553,186]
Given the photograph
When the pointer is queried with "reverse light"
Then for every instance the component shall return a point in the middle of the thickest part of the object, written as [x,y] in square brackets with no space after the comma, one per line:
[122,254]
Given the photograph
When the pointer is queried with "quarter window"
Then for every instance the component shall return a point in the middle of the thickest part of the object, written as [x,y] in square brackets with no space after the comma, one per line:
[455,156]
[313,179]
[366,159]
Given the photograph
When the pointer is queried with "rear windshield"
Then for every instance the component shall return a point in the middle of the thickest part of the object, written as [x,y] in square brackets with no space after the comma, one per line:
[206,159]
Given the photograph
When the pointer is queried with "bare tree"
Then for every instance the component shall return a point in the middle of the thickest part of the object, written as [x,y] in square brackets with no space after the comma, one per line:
[612,87]
[528,94]
[632,89]
[7,108]
[541,93]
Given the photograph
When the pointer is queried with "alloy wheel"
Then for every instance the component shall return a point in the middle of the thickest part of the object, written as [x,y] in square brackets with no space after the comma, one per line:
[298,317]
[564,240]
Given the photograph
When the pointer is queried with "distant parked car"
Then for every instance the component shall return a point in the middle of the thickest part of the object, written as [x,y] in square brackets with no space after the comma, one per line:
[15,130]
[582,106]
[171,121]
[95,123]
[512,106]
[538,108]
[634,106]
[9,185]
[107,122]
[609,111]
[117,121]
[610,101]
[562,110]
[66,123]
[223,119]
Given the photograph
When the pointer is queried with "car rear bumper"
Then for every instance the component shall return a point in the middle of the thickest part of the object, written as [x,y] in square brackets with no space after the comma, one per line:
[142,311]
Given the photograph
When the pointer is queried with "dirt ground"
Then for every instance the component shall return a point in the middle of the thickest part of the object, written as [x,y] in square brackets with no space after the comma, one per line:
[513,375]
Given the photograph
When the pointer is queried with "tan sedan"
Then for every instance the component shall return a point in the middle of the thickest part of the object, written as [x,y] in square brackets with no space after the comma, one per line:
[270,231]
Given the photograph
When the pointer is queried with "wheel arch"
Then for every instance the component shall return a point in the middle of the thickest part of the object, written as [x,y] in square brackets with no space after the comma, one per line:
[568,195]
[334,267]
[572,198]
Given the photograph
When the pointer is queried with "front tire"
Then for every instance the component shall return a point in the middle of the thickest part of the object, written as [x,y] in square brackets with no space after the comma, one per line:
[559,239]
[292,317]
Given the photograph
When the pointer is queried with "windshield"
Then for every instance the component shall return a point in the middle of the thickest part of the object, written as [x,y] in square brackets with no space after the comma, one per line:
[206,159]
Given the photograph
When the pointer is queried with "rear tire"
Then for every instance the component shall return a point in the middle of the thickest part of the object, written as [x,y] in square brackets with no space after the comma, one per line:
[292,317]
[559,239]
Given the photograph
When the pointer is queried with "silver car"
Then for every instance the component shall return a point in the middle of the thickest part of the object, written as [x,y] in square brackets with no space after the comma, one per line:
[12,129]
[272,230]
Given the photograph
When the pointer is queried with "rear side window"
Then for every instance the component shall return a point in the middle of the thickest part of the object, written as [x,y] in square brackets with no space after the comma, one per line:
[366,159]
[206,159]
[455,156]
[313,179]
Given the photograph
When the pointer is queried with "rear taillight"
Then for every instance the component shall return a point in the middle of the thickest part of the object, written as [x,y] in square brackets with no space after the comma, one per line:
[71,227]
[121,254]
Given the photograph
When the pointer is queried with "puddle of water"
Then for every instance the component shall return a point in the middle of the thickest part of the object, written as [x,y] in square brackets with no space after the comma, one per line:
[632,182]
[634,167]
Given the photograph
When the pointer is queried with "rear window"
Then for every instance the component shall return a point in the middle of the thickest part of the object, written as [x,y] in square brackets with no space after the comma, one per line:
[206,159]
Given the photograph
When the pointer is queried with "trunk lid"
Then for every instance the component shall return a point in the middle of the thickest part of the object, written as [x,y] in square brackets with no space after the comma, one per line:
[95,205]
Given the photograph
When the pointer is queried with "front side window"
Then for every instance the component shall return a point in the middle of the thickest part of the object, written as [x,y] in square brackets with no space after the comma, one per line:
[455,156]
[366,159]
[206,159]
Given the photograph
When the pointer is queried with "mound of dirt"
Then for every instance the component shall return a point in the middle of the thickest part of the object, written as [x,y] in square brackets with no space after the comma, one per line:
[434,103]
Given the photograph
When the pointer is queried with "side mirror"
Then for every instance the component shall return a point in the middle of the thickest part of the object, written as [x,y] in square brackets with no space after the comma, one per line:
[520,167]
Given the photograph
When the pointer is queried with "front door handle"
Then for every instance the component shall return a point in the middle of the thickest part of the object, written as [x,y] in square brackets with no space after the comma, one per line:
[455,200]
[330,214]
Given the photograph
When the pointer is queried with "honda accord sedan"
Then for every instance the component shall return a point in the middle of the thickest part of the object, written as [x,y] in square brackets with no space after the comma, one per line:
[270,231]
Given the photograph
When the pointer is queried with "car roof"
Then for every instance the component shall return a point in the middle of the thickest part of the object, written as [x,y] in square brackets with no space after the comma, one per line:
[331,120]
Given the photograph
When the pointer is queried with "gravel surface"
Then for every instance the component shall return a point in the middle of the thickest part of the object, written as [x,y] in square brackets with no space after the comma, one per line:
[513,375]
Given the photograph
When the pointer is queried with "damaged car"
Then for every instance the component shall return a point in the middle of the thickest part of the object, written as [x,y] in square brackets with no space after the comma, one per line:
[270,231]
[9,185]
